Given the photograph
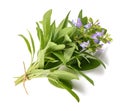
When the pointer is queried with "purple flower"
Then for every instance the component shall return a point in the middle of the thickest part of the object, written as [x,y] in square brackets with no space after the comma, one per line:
[84,44]
[87,26]
[97,35]
[78,23]
[95,38]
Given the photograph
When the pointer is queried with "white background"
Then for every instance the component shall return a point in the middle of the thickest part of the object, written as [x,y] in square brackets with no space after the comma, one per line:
[16,16]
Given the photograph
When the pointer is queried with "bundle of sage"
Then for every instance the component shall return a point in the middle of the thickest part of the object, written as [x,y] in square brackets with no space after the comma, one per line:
[71,44]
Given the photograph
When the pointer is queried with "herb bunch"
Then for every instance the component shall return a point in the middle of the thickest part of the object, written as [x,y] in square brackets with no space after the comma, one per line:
[71,44]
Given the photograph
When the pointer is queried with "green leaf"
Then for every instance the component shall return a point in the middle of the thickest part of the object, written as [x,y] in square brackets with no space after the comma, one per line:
[54,82]
[60,84]
[94,57]
[81,73]
[27,43]
[64,22]
[69,51]
[60,74]
[53,27]
[46,27]
[40,35]
[41,57]
[91,20]
[64,35]
[78,62]
[84,20]
[85,65]
[32,42]
[67,39]
[70,91]
[87,61]
[60,56]
[65,82]
[62,25]
[52,65]
[51,59]
[46,22]
[80,15]
[65,31]
[86,77]
[55,47]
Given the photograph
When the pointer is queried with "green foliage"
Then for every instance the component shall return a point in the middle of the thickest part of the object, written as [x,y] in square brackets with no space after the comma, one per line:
[60,84]
[27,43]
[60,74]
[72,45]
[80,15]
[61,26]
[65,82]
[40,35]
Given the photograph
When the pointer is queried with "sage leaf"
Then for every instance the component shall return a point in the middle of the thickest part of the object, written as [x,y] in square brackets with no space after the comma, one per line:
[41,58]
[80,14]
[52,65]
[65,31]
[63,75]
[27,43]
[84,20]
[46,22]
[60,56]
[40,35]
[32,42]
[60,84]
[93,57]
[62,25]
[55,47]
[65,82]
[69,51]
[81,73]
[85,65]
[86,77]
[70,91]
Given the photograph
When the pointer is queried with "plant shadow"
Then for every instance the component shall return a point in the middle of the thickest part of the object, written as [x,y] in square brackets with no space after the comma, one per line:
[79,86]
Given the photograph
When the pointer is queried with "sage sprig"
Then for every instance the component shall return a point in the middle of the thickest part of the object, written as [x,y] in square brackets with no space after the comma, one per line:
[71,44]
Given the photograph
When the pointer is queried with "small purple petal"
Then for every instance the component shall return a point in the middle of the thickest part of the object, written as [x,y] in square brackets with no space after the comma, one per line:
[96,41]
[94,36]
[79,23]
[87,26]
[84,44]
[99,34]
